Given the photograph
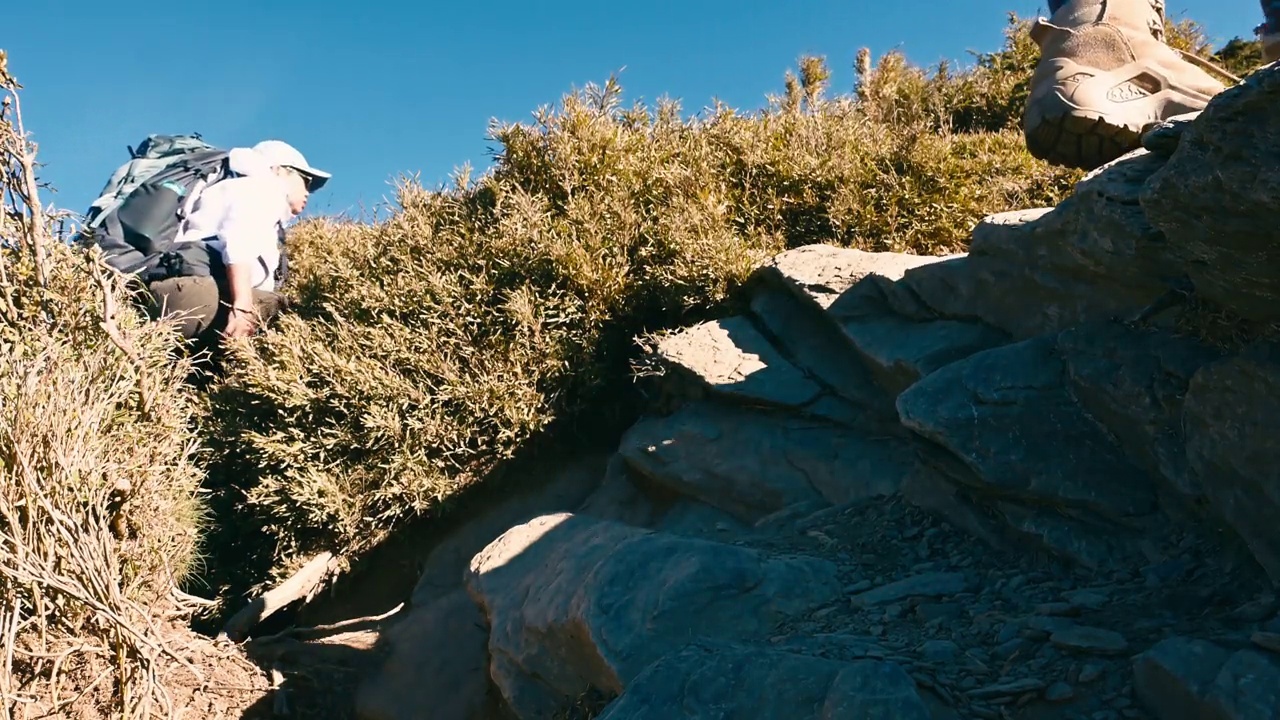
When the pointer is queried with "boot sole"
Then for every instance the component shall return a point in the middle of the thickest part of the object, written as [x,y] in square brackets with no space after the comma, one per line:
[1080,139]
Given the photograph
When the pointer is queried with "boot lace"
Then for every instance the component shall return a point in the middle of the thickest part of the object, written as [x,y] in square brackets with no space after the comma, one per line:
[1156,23]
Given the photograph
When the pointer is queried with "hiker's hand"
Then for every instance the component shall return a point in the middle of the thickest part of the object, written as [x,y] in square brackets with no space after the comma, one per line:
[240,323]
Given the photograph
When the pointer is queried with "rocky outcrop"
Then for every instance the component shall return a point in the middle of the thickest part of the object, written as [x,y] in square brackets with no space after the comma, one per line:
[752,464]
[418,679]
[1213,197]
[1020,482]
[1230,419]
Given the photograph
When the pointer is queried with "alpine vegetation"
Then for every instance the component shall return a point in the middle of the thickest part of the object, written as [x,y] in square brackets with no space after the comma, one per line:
[424,350]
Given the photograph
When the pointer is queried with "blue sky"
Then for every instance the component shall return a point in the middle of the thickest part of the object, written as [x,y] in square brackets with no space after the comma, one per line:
[373,90]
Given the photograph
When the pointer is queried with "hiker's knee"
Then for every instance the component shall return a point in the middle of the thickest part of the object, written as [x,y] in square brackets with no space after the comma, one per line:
[192,303]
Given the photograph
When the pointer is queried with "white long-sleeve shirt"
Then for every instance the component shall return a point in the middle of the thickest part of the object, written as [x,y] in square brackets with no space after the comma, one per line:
[241,218]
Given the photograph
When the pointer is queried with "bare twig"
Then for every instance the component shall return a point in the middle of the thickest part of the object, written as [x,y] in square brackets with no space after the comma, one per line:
[109,316]
[322,631]
[37,232]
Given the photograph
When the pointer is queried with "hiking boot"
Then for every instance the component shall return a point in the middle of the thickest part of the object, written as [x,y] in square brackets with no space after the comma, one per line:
[1104,76]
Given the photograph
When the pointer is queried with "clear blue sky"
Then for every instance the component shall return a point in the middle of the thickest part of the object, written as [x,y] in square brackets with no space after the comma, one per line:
[372,90]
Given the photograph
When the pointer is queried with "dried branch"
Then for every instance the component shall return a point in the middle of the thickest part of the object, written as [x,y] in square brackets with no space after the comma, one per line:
[319,632]
[299,586]
[36,227]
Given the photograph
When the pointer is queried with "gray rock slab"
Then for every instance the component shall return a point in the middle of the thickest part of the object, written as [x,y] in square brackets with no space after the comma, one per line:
[1133,381]
[576,602]
[1214,198]
[562,488]
[732,358]
[814,343]
[932,584]
[1230,417]
[900,352]
[1007,415]
[1189,679]
[1093,257]
[825,274]
[753,464]
[436,666]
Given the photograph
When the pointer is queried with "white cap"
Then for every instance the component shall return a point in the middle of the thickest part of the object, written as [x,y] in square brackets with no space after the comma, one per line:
[280,153]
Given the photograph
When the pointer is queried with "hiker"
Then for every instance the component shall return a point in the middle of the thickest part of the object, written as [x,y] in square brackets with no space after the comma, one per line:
[203,230]
[240,222]
[1105,75]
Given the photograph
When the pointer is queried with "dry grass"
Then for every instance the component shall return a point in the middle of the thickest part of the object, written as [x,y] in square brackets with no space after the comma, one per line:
[99,512]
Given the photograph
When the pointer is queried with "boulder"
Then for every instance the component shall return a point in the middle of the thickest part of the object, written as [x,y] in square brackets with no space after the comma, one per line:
[619,498]
[1214,199]
[1229,417]
[1093,257]
[807,336]
[575,602]
[1247,687]
[1188,679]
[1084,542]
[900,352]
[716,682]
[897,341]
[844,278]
[1007,415]
[929,489]
[731,358]
[564,487]
[1132,381]
[436,666]
[692,518]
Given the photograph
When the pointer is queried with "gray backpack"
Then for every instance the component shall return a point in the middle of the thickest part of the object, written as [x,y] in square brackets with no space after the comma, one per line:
[138,214]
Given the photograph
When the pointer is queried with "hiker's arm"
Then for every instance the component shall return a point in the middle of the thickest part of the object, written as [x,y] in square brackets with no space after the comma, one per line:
[242,320]
[240,286]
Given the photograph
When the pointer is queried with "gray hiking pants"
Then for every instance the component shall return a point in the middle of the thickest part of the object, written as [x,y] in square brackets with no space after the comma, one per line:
[196,299]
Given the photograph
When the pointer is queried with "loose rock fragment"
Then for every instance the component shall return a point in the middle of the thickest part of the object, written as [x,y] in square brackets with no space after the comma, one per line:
[1058,609]
[934,584]
[1267,641]
[1087,599]
[1059,692]
[1007,689]
[1091,672]
[1090,640]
